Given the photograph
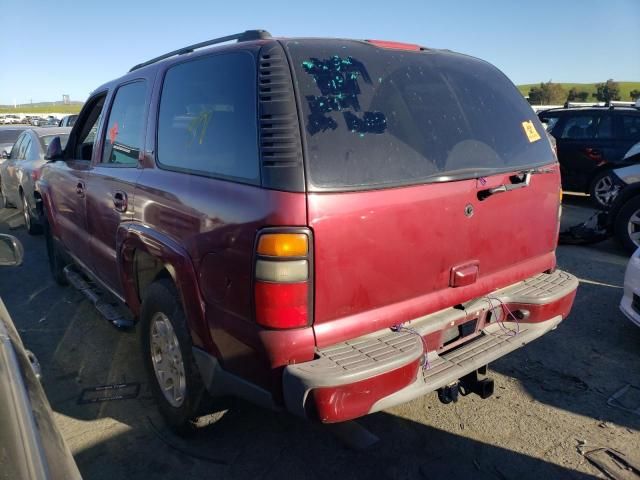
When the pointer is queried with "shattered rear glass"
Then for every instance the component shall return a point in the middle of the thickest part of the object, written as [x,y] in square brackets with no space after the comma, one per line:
[377,117]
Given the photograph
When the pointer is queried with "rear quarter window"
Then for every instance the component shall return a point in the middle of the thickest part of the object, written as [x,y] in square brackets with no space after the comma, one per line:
[207,123]
[631,127]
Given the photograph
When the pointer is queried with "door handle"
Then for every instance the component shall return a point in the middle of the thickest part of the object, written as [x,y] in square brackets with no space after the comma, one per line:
[120,201]
[80,189]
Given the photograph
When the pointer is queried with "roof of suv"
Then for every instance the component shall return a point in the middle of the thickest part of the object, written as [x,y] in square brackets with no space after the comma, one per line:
[249,38]
[597,108]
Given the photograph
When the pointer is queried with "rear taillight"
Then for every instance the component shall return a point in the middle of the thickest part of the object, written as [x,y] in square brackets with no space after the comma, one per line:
[282,279]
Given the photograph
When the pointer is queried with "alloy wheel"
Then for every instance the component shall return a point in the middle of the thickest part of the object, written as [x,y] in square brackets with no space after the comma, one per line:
[166,358]
[604,190]
[633,228]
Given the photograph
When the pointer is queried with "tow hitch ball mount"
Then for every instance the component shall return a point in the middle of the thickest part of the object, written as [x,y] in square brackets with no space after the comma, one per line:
[468,384]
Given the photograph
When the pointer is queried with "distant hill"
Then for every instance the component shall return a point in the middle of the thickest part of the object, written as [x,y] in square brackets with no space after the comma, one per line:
[43,107]
[625,88]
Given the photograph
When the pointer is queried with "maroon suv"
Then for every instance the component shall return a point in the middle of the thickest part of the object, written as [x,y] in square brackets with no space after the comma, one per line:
[330,227]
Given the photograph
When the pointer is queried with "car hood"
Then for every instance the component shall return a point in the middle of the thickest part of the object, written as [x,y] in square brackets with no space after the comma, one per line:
[629,175]
[635,150]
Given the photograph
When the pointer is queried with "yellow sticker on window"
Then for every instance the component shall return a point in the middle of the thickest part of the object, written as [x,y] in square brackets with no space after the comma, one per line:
[530,130]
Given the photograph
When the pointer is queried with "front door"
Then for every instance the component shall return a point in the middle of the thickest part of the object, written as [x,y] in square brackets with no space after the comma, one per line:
[68,181]
[110,183]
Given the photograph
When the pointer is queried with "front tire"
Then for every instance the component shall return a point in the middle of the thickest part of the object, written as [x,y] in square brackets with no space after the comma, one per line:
[56,258]
[627,225]
[166,347]
[3,199]
[32,226]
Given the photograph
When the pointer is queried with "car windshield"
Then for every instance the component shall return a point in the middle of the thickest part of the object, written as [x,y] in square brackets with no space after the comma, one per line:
[376,117]
[46,140]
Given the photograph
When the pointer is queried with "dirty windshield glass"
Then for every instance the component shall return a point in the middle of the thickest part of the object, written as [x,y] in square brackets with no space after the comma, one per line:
[377,117]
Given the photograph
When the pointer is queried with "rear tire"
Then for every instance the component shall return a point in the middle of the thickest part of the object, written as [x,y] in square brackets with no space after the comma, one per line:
[600,189]
[56,258]
[166,347]
[627,225]
[31,224]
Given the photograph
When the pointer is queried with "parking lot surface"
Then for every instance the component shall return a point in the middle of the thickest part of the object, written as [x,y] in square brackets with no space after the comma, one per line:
[549,407]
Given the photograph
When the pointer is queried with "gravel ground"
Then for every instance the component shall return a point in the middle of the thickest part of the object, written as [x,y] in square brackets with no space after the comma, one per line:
[550,403]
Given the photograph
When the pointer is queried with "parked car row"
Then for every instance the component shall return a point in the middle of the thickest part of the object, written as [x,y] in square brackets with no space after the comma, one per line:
[36,121]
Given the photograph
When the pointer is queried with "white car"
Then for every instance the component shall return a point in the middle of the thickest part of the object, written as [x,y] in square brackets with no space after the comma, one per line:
[10,119]
[630,303]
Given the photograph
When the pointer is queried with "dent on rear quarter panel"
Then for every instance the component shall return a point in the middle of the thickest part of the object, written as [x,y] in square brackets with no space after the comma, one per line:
[216,221]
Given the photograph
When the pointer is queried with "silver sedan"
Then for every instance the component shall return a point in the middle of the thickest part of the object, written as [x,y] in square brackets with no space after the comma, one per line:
[19,173]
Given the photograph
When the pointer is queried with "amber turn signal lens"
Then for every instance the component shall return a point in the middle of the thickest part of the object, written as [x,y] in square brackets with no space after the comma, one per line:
[283,245]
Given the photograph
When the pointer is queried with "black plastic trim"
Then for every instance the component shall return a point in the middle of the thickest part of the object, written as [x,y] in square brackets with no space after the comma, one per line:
[281,158]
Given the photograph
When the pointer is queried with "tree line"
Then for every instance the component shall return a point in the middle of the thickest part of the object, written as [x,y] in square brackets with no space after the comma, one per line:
[550,93]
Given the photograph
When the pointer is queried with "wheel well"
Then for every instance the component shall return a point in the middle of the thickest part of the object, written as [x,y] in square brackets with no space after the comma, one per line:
[147,269]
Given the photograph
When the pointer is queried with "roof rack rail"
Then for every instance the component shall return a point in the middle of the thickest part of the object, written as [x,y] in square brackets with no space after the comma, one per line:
[245,36]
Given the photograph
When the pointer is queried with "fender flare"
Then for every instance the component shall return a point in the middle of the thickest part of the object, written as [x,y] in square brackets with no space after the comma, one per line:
[132,237]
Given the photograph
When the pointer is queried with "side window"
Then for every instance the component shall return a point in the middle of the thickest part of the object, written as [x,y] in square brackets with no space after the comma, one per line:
[16,147]
[85,134]
[550,121]
[587,127]
[125,127]
[631,127]
[605,127]
[208,117]
[24,148]
[27,150]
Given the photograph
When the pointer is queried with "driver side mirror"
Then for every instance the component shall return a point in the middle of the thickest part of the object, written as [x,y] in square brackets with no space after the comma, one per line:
[54,150]
[4,154]
[11,251]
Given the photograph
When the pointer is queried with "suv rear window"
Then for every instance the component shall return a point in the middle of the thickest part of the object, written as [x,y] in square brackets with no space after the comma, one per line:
[377,117]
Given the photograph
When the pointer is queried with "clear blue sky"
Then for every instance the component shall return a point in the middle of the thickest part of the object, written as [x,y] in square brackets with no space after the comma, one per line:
[83,44]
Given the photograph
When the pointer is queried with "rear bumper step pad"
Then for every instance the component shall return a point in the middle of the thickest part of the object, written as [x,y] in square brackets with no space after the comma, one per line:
[381,352]
[449,367]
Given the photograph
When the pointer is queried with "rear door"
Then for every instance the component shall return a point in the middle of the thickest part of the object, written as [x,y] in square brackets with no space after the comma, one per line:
[110,184]
[585,143]
[403,149]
